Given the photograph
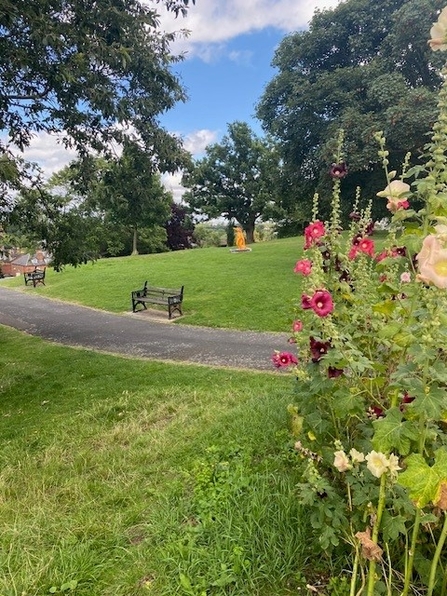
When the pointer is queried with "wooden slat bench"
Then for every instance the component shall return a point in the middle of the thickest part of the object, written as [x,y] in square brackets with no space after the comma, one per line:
[34,277]
[172,298]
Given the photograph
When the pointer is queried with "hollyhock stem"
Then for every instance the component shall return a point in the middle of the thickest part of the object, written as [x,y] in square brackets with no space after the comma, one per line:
[375,534]
[436,556]
[409,566]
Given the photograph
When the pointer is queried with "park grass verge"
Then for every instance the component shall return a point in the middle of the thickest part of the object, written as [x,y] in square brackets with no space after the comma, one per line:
[129,477]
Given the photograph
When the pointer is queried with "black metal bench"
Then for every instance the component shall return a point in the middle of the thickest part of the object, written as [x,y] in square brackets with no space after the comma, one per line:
[35,277]
[172,298]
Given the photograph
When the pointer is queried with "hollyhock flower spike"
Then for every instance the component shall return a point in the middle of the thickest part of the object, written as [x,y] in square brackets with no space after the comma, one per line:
[438,33]
[321,303]
[282,359]
[395,193]
[304,266]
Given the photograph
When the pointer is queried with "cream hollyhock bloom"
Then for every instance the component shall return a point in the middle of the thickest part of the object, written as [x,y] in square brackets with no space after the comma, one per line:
[432,260]
[356,456]
[341,461]
[395,192]
[393,464]
[438,33]
[377,464]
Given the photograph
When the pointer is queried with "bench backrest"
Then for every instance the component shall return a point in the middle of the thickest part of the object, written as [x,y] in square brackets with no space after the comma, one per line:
[162,291]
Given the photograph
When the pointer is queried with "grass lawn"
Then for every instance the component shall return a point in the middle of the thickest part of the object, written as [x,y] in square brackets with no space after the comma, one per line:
[125,477]
[254,290]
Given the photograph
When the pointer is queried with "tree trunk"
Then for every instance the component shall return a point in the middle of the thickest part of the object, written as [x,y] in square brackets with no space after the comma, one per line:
[250,233]
[134,241]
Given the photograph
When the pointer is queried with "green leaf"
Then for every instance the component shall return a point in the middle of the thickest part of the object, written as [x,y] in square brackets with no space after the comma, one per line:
[392,433]
[422,481]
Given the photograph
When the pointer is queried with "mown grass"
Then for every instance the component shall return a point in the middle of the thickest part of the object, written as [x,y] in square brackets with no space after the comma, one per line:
[253,291]
[128,477]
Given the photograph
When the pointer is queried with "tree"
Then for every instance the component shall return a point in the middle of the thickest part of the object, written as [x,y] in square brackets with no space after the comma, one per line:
[93,71]
[179,228]
[131,194]
[363,66]
[236,179]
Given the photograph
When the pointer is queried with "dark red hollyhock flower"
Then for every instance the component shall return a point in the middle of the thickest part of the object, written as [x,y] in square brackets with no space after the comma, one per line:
[375,412]
[338,170]
[321,303]
[406,399]
[354,216]
[400,251]
[305,302]
[318,349]
[333,372]
[369,228]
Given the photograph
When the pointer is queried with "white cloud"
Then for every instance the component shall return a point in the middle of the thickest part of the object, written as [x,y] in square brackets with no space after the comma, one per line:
[196,141]
[48,152]
[213,22]
[172,183]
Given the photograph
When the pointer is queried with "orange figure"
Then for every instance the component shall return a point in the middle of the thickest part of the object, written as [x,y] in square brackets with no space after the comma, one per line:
[240,238]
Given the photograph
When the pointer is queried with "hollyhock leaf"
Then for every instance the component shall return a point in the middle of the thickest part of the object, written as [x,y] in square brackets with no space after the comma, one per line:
[402,214]
[393,526]
[347,404]
[430,403]
[390,330]
[392,433]
[385,308]
[424,482]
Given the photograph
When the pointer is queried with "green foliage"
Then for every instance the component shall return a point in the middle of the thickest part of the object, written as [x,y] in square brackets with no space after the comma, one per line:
[237,179]
[93,72]
[362,66]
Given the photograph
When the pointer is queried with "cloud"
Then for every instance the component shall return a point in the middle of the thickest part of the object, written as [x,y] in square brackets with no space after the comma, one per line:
[48,152]
[196,141]
[212,23]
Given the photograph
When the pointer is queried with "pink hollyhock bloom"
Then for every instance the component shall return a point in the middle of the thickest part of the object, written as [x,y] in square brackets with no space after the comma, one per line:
[395,192]
[303,266]
[366,245]
[297,326]
[432,262]
[438,32]
[281,359]
[321,303]
[405,277]
[313,232]
[305,302]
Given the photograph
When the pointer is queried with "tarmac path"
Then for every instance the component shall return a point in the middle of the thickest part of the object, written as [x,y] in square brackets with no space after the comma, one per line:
[133,334]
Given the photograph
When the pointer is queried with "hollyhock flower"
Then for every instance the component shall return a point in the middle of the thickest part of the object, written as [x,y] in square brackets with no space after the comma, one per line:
[338,170]
[438,33]
[375,412]
[321,303]
[318,349]
[364,245]
[341,461]
[356,456]
[432,262]
[377,464]
[395,192]
[297,326]
[393,464]
[281,359]
[405,277]
[303,266]
[313,232]
[305,302]
[333,372]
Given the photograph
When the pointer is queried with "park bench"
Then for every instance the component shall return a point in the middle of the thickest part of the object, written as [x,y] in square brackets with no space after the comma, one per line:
[172,298]
[35,277]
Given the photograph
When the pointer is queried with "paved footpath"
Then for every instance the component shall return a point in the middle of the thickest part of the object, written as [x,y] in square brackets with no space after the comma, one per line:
[135,334]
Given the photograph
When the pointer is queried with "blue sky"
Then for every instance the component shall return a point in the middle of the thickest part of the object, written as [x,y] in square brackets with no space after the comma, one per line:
[228,63]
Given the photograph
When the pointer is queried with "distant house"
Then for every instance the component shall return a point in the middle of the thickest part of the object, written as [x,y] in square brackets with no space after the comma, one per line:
[18,264]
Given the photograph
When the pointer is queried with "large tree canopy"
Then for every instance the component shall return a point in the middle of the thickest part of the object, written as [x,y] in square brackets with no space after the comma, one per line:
[237,179]
[363,66]
[92,70]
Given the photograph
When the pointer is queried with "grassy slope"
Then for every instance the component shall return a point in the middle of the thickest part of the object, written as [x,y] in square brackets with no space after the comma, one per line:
[254,290]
